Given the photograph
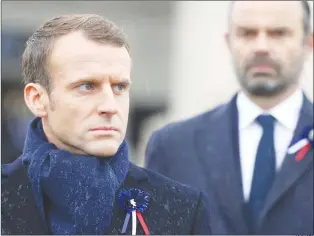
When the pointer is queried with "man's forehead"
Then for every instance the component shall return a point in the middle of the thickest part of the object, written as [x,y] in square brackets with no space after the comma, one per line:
[267,12]
[76,45]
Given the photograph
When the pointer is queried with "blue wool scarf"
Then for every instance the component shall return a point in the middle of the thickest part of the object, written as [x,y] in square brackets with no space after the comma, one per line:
[74,193]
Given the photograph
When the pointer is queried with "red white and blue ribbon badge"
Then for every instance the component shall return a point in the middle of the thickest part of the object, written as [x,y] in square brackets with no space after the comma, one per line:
[134,202]
[303,144]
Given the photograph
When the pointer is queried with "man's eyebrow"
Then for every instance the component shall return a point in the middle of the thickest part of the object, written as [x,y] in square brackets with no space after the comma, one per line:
[92,79]
[279,27]
[125,80]
[84,79]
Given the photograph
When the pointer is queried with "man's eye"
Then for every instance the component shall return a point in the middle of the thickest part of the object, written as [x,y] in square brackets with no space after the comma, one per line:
[278,33]
[248,33]
[86,86]
[120,87]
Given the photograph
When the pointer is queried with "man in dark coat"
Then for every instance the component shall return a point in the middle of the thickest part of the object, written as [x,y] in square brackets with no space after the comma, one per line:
[74,176]
[239,150]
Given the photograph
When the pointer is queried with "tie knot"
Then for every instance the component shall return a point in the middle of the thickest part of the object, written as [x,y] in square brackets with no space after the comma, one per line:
[266,121]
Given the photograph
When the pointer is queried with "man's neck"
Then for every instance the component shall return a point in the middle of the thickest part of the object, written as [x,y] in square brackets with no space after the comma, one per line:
[267,103]
[58,143]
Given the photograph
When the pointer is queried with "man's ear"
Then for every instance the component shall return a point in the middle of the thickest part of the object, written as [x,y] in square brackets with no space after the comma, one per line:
[227,39]
[311,42]
[36,99]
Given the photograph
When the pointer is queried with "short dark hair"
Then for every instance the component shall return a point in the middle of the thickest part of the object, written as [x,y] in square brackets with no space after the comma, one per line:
[306,15]
[40,44]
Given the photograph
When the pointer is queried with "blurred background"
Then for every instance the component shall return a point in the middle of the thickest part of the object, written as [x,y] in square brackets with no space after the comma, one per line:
[181,62]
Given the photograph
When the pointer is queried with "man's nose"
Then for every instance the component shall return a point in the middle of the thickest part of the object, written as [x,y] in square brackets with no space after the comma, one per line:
[108,104]
[261,44]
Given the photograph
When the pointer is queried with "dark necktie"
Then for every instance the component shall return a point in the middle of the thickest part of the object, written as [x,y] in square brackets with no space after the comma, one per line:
[264,169]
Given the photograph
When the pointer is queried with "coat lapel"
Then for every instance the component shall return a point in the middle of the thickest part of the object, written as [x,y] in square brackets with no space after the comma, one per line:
[219,157]
[18,203]
[291,170]
[136,178]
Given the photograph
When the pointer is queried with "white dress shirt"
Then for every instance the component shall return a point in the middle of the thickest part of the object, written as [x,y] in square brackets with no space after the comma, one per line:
[250,132]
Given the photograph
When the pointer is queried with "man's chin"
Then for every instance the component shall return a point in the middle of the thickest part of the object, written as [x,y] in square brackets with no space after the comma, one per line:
[264,91]
[263,87]
[104,149]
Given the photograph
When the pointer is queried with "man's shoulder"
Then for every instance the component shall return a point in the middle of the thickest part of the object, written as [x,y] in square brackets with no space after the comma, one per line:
[187,126]
[14,179]
[11,169]
[17,201]
[172,208]
[170,202]
[162,187]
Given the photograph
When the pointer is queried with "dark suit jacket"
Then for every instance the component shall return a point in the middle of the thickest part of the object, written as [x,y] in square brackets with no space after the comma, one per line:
[203,152]
[172,209]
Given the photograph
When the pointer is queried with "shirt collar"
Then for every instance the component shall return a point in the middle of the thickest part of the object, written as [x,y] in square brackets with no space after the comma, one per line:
[248,111]
[286,113]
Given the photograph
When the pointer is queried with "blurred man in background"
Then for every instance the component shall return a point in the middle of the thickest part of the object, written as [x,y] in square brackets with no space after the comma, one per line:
[239,149]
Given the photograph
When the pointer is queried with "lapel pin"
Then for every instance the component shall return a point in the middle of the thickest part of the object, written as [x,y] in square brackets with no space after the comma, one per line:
[134,202]
[303,144]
